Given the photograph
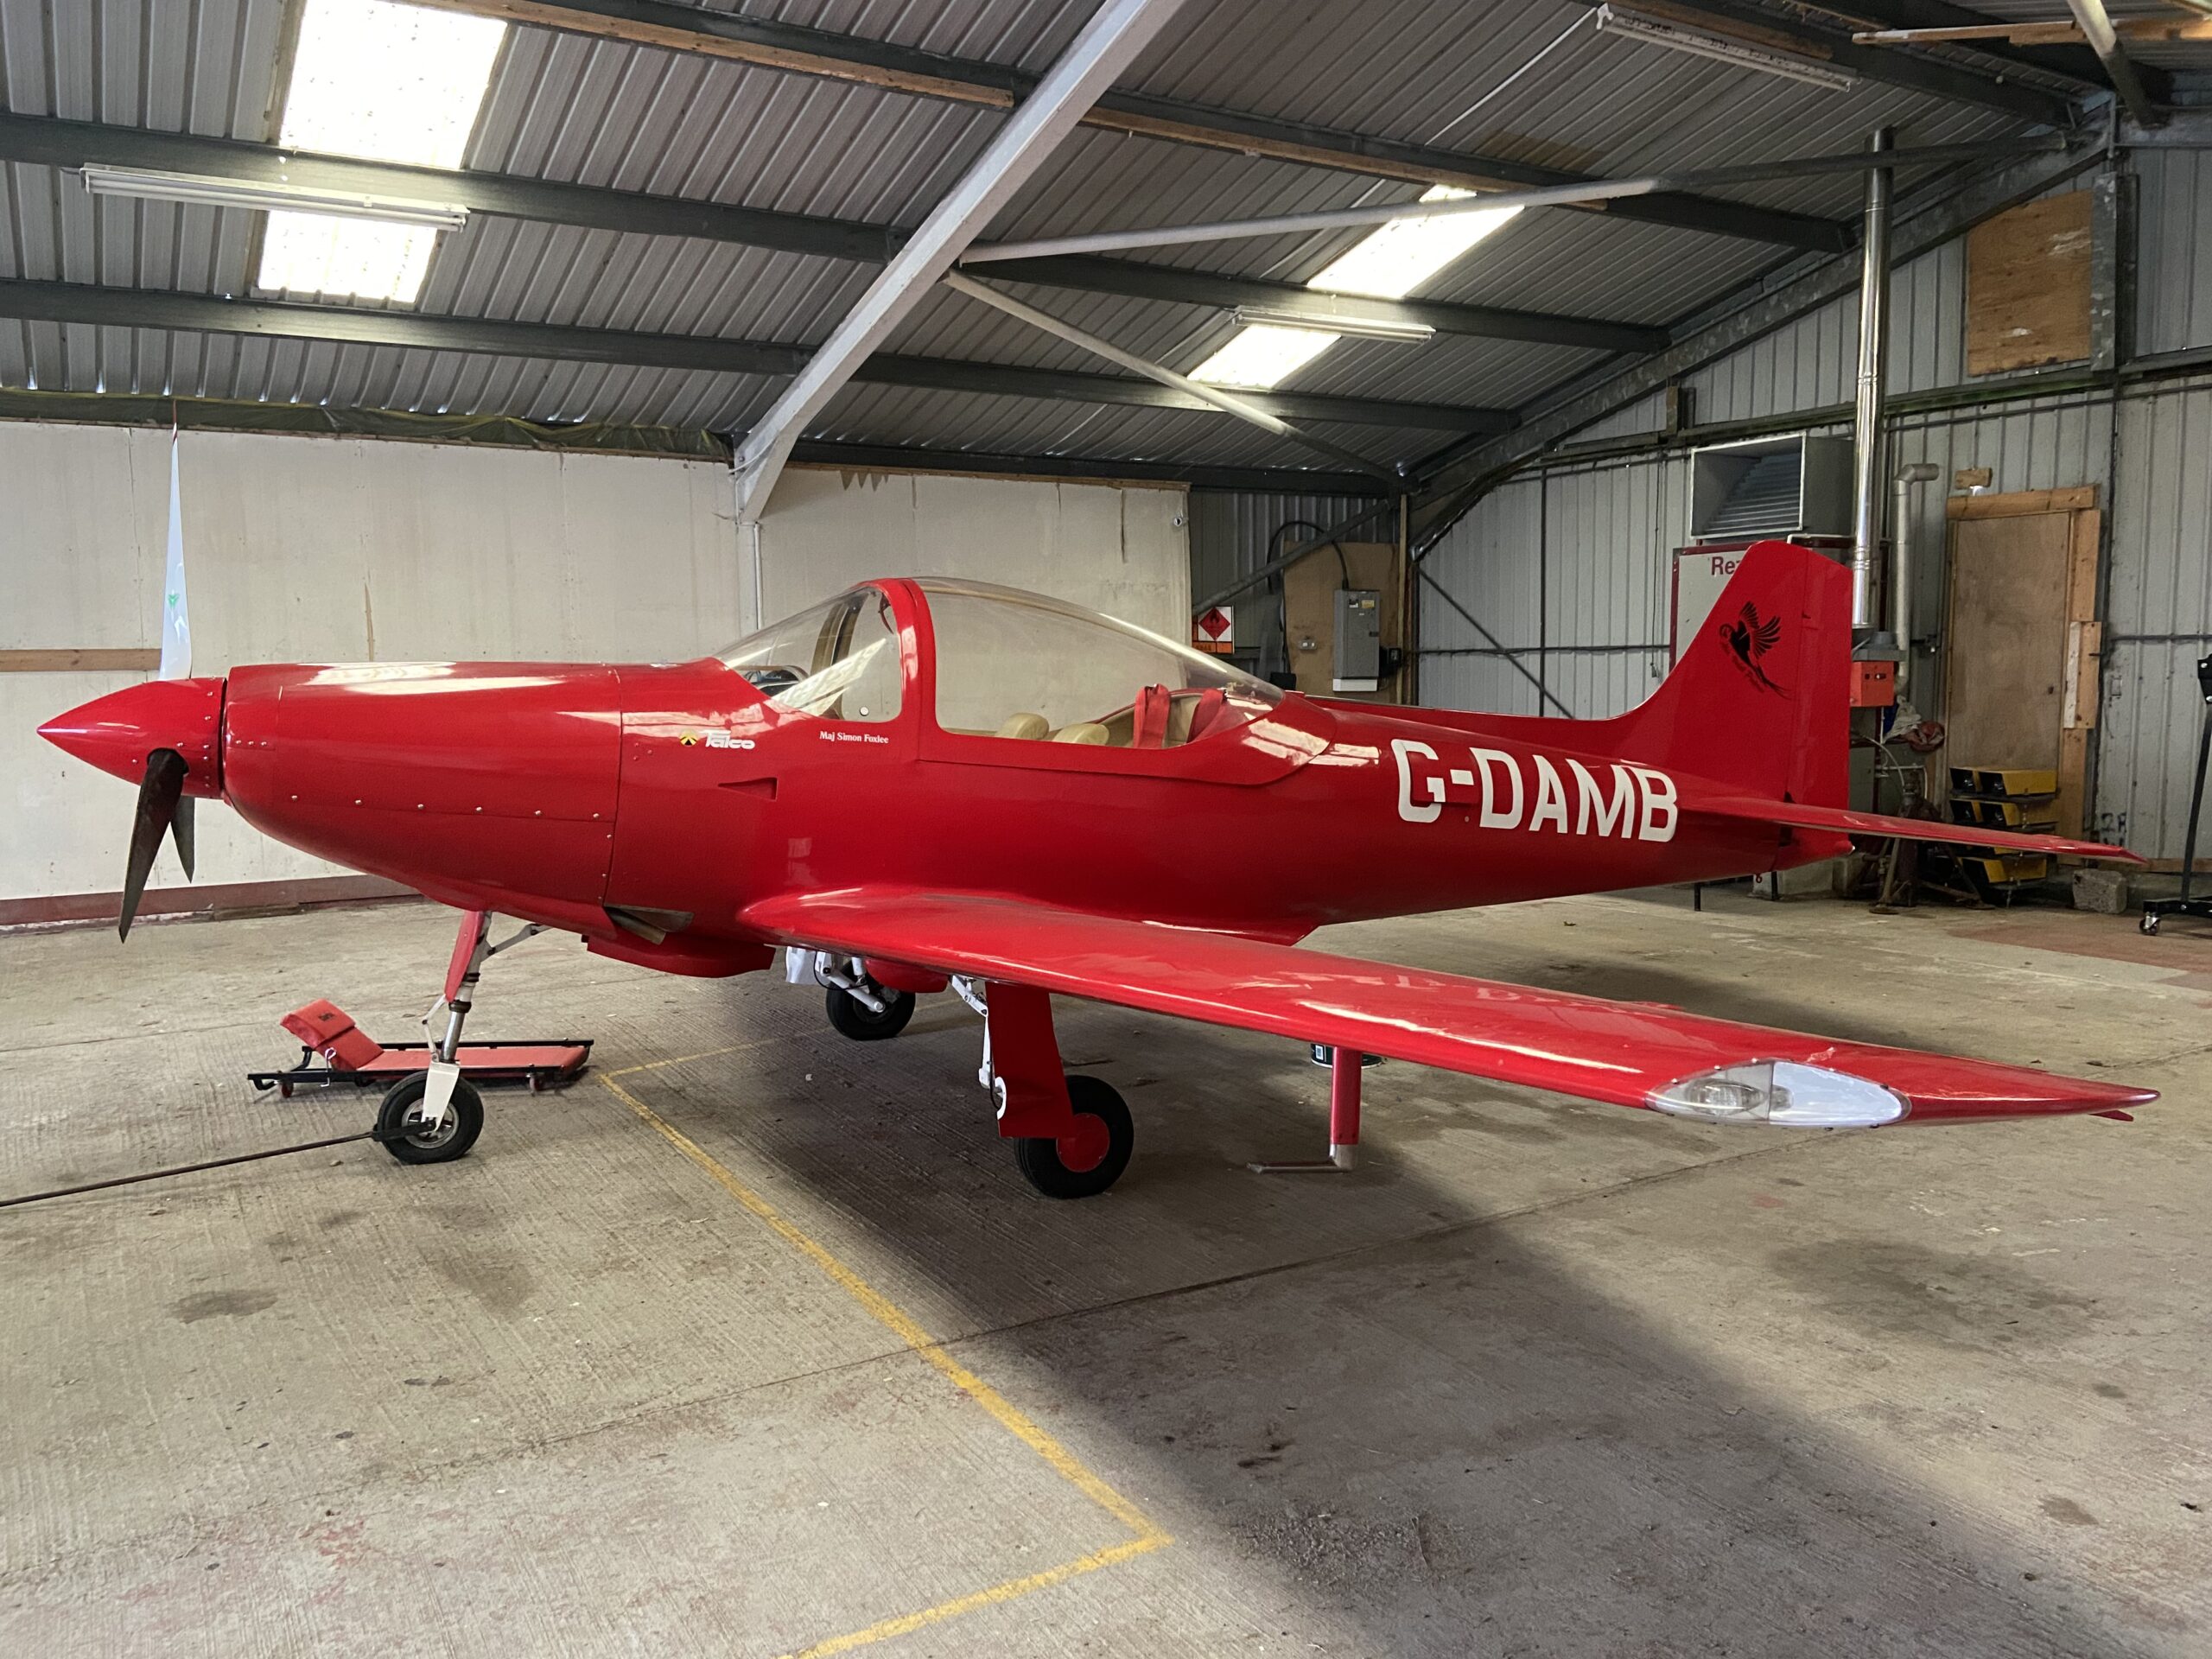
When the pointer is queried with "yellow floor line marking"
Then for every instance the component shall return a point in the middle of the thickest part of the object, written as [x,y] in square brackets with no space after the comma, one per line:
[983,1598]
[902,1325]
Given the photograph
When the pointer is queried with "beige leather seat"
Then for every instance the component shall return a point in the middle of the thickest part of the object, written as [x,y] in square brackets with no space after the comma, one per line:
[1084,731]
[1034,727]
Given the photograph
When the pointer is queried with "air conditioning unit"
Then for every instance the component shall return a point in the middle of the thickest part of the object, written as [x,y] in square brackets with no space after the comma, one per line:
[1792,488]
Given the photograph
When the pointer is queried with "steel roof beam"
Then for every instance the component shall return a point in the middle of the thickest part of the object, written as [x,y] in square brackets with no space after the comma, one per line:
[1199,475]
[1455,479]
[1117,31]
[798,50]
[1220,397]
[2096,26]
[1929,76]
[1230,230]
[130,308]
[1143,281]
[47,141]
[2073,63]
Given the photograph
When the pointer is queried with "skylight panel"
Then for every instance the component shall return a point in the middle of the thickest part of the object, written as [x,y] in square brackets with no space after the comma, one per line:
[1262,354]
[389,83]
[1392,260]
[1387,263]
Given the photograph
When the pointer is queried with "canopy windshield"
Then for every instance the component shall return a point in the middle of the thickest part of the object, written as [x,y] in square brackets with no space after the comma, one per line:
[1018,665]
[839,661]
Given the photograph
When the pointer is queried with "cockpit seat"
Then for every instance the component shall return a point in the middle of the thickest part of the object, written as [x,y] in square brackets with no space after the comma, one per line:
[1034,727]
[1084,731]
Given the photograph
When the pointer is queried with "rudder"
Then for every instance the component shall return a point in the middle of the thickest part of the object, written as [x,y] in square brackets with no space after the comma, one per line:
[1759,699]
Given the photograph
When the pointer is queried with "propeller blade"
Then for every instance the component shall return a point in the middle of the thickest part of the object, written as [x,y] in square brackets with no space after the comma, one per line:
[159,791]
[181,833]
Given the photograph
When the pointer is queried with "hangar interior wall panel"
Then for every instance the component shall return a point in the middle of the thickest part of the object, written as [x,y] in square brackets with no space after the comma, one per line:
[1594,538]
[1123,549]
[320,550]
[2173,268]
[1232,530]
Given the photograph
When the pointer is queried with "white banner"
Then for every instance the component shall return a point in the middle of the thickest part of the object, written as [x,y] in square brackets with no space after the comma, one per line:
[176,616]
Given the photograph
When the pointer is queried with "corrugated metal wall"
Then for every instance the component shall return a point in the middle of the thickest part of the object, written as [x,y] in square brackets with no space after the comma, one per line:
[1229,533]
[1569,567]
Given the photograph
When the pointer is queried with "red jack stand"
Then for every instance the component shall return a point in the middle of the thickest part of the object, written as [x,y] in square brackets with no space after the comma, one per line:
[1344,1067]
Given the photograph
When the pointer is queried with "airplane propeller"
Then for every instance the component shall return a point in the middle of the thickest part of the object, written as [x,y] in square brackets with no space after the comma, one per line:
[164,807]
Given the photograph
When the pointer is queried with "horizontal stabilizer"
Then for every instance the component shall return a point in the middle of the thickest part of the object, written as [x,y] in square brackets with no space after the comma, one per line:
[1630,1053]
[1843,820]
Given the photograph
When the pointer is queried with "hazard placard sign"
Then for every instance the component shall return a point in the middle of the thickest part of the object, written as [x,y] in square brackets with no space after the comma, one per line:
[1214,629]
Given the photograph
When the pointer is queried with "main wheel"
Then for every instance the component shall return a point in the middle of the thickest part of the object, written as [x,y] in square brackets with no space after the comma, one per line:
[413,1144]
[1045,1163]
[855,1020]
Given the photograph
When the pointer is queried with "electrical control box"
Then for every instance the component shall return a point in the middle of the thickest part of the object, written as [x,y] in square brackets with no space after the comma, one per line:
[1358,664]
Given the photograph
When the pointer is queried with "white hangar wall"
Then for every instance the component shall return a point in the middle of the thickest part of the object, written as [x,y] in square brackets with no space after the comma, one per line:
[327,549]
[318,548]
[1567,566]
[1123,549]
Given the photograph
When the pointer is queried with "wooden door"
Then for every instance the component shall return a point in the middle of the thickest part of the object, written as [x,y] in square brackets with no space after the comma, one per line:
[2021,641]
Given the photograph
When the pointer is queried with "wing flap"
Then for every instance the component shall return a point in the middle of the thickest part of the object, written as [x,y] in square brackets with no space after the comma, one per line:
[1630,1054]
[1797,815]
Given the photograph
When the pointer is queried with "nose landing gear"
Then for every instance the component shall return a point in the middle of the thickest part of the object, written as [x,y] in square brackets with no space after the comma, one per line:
[434,1116]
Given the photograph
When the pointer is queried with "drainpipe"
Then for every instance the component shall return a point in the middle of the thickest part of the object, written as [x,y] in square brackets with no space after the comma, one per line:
[1920,471]
[1866,426]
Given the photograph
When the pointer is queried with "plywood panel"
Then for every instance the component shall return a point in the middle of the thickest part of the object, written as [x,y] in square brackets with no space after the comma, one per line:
[2028,286]
[1310,611]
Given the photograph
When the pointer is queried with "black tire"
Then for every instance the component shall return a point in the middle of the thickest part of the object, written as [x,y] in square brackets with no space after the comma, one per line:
[464,1122]
[852,1017]
[1038,1159]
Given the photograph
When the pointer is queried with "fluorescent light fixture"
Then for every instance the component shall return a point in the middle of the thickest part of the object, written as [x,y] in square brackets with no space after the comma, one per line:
[147,184]
[1724,48]
[1387,263]
[392,83]
[1333,323]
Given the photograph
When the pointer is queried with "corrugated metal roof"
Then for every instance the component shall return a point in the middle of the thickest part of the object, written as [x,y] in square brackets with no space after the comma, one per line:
[2181,55]
[1441,73]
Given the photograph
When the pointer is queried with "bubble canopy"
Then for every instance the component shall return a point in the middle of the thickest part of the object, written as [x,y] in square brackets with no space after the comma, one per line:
[1009,664]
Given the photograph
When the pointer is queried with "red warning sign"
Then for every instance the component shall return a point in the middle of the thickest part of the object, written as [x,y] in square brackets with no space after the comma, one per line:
[1215,631]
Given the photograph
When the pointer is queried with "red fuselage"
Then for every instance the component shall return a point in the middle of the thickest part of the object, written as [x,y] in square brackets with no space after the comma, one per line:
[555,791]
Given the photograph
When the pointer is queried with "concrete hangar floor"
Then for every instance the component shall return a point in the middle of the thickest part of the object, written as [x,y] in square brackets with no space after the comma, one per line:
[753,1341]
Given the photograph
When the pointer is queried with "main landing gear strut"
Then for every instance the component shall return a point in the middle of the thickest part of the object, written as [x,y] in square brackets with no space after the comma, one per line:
[1071,1135]
[434,1116]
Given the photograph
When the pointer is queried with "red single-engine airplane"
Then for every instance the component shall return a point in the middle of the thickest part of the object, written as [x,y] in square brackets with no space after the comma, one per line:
[925,784]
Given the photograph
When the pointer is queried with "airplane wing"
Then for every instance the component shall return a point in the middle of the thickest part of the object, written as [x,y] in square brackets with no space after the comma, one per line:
[1629,1054]
[1797,816]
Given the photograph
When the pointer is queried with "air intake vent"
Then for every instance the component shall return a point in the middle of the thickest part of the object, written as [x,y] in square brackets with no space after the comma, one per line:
[1797,486]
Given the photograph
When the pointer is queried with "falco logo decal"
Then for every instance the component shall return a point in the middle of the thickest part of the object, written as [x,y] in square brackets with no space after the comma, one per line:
[1748,638]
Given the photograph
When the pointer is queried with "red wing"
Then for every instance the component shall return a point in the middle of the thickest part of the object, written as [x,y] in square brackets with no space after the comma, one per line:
[1624,1052]
[1797,815]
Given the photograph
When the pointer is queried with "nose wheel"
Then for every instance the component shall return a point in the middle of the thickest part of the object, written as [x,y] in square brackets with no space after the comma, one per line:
[407,1136]
[1091,1155]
